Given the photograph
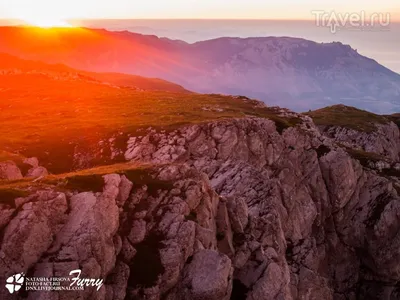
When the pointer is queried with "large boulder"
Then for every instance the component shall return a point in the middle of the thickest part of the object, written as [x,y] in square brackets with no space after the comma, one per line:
[9,171]
[32,161]
[207,277]
[37,172]
[31,232]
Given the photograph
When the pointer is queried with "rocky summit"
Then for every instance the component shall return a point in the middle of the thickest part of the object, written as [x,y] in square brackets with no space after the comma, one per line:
[240,208]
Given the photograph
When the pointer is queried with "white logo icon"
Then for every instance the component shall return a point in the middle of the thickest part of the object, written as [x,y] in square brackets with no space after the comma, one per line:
[15,282]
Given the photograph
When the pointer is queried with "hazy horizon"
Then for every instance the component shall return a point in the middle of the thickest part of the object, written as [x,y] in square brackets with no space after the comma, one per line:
[156,9]
[378,44]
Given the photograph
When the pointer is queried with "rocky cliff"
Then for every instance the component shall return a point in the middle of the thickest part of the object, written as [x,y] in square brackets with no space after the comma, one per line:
[232,209]
[385,140]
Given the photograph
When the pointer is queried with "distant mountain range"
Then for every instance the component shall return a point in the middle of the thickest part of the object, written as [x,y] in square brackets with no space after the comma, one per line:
[291,72]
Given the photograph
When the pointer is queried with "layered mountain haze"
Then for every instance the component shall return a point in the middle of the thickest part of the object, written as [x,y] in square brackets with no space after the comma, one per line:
[290,72]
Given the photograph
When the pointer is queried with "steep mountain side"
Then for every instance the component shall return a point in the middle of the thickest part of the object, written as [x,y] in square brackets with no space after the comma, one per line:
[142,238]
[322,206]
[284,71]
[299,74]
[232,209]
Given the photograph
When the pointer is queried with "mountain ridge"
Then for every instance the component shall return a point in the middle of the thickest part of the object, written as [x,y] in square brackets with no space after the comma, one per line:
[289,72]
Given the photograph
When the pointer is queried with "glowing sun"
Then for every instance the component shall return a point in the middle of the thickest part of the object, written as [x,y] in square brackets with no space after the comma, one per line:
[46,22]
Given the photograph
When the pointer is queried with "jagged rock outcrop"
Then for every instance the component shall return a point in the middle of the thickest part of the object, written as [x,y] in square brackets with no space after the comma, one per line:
[32,161]
[10,171]
[384,141]
[143,239]
[231,209]
[207,276]
[37,172]
[305,198]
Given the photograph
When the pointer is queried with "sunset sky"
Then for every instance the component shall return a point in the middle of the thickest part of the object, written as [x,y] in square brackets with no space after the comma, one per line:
[249,9]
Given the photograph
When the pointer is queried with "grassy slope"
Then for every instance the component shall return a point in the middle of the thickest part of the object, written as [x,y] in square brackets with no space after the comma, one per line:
[48,114]
[149,84]
[36,109]
[395,118]
[348,117]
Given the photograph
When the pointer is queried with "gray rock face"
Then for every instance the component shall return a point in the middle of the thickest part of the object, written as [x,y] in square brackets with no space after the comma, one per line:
[138,240]
[384,141]
[32,161]
[9,171]
[231,209]
[6,214]
[46,238]
[30,233]
[208,276]
[299,207]
[37,172]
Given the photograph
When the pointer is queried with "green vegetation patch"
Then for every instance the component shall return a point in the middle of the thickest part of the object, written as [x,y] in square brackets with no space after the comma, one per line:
[8,195]
[395,118]
[92,179]
[84,181]
[364,157]
[348,117]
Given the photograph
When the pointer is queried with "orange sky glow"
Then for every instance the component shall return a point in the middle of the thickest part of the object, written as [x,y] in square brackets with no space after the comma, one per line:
[53,12]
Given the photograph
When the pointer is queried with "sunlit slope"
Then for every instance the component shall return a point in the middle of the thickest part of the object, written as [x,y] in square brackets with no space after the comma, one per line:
[11,65]
[52,115]
[97,50]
